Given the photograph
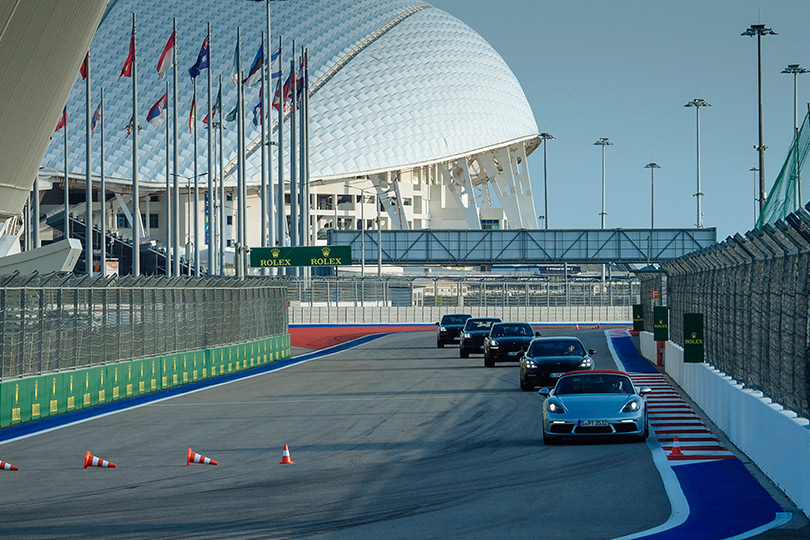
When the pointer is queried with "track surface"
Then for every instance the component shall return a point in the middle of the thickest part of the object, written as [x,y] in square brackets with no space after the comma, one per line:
[396,438]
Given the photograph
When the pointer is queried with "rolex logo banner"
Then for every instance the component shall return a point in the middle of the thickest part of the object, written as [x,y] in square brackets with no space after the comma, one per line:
[275,257]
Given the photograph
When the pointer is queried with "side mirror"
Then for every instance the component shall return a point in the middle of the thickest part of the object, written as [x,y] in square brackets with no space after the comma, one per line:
[644,390]
[437,324]
[591,352]
[544,392]
[537,334]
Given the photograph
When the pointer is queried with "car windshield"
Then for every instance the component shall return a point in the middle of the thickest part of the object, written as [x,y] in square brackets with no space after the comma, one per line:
[454,319]
[478,324]
[557,348]
[596,383]
[502,330]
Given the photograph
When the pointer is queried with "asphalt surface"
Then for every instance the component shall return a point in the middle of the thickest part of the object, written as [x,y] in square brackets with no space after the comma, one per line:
[394,439]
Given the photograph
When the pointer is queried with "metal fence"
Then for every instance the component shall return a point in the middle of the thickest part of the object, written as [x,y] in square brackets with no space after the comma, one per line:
[753,293]
[462,292]
[48,323]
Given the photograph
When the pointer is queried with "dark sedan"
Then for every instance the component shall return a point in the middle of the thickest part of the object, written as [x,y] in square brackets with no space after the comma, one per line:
[449,328]
[507,342]
[473,334]
[549,358]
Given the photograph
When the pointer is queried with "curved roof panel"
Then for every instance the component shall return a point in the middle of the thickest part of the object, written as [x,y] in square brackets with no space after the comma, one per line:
[407,83]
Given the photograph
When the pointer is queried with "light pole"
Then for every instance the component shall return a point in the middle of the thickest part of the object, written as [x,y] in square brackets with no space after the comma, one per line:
[796,69]
[697,103]
[755,171]
[760,30]
[545,137]
[652,167]
[603,141]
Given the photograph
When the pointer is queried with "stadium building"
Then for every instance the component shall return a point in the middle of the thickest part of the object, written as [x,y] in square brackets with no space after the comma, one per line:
[411,113]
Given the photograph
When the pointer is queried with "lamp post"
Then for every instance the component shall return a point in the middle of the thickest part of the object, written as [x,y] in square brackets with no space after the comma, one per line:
[603,142]
[545,137]
[652,167]
[760,30]
[795,70]
[756,199]
[697,103]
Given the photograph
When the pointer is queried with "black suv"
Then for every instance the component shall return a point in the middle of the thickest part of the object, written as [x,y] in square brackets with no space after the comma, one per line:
[449,328]
[473,334]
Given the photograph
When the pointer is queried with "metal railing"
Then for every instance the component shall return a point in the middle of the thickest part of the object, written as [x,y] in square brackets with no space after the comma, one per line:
[49,323]
[754,294]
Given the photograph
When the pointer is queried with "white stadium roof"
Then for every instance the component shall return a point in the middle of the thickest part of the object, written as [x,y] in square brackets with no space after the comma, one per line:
[405,84]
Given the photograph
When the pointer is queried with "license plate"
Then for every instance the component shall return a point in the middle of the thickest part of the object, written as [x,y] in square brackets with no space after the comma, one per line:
[513,353]
[592,423]
[480,346]
[556,375]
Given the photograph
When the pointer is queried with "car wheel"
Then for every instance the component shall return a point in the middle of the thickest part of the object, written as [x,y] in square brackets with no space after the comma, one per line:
[463,353]
[488,361]
[525,386]
[440,345]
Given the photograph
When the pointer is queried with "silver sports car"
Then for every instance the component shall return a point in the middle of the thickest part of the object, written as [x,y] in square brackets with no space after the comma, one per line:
[594,403]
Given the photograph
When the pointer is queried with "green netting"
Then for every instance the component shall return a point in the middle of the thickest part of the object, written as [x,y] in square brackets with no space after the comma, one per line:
[782,198]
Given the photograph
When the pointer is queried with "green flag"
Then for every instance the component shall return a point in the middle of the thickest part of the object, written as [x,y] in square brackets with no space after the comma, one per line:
[232,115]
[237,66]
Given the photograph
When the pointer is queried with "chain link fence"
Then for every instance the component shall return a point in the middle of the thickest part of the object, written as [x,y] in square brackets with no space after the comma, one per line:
[49,323]
[753,293]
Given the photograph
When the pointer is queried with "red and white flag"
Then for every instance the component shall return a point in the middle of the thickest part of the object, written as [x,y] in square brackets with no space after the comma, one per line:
[126,71]
[62,120]
[83,69]
[165,61]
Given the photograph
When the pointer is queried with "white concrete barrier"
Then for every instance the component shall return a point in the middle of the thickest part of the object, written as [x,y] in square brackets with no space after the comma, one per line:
[773,437]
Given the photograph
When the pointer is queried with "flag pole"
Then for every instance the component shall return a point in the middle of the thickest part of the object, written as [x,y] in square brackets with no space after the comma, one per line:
[35,208]
[221,188]
[304,229]
[194,208]
[168,192]
[267,105]
[175,182]
[282,210]
[263,139]
[102,189]
[293,155]
[243,192]
[136,212]
[210,206]
[310,235]
[67,189]
[88,181]
[239,179]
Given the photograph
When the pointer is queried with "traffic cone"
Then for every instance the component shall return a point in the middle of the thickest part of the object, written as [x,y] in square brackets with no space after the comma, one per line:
[92,461]
[194,457]
[577,326]
[676,448]
[285,457]
[7,466]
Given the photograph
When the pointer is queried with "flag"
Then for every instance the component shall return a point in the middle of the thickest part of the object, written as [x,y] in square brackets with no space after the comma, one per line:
[191,115]
[203,60]
[236,65]
[126,71]
[275,64]
[303,83]
[215,109]
[83,69]
[257,113]
[156,113]
[277,96]
[288,90]
[231,116]
[62,120]
[166,59]
[95,119]
[256,68]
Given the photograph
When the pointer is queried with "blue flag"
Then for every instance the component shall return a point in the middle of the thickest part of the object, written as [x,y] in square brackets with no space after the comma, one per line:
[257,114]
[203,60]
[255,73]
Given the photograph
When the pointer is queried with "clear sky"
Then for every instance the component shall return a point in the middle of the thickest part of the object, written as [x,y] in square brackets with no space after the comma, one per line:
[624,70]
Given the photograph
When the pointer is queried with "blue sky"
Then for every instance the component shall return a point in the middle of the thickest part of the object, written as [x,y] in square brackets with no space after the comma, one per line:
[624,70]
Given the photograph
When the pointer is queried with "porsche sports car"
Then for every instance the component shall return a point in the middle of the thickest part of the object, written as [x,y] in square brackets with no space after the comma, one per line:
[473,334]
[594,403]
[547,358]
[506,342]
[449,328]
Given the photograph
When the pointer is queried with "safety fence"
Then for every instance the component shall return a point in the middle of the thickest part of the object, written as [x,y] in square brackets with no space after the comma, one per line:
[753,292]
[51,323]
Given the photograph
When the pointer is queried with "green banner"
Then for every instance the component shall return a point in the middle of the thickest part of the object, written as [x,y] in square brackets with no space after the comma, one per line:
[274,257]
[660,323]
[693,338]
[638,318]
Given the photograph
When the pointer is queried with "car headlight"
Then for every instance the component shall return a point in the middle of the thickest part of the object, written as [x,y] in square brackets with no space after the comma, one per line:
[632,406]
[493,343]
[555,407]
[467,335]
[586,363]
[442,329]
[531,364]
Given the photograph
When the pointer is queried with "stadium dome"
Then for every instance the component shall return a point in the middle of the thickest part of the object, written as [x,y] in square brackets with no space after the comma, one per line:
[395,86]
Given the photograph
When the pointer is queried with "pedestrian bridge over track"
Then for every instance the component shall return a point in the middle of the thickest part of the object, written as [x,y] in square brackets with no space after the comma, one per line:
[521,246]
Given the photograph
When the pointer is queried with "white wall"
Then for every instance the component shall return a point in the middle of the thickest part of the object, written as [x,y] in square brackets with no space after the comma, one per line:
[773,437]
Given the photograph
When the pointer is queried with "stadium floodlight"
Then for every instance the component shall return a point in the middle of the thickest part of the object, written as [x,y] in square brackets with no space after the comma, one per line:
[697,103]
[795,70]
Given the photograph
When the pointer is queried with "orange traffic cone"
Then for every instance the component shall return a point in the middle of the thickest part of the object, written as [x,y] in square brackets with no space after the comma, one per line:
[7,466]
[676,448]
[194,457]
[577,326]
[92,461]
[285,457]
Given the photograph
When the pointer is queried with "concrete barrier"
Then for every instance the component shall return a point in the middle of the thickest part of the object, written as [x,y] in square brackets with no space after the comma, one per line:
[776,439]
